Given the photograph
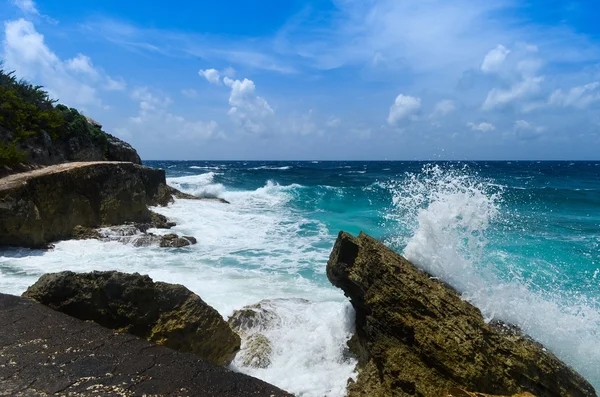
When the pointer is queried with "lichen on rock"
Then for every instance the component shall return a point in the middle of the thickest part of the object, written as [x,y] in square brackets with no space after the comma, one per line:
[167,314]
[415,336]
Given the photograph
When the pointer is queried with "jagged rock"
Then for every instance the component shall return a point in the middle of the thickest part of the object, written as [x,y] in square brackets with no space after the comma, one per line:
[167,314]
[119,150]
[44,205]
[417,337]
[47,353]
[256,351]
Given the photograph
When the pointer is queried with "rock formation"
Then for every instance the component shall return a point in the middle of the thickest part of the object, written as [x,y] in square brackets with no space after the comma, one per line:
[44,205]
[47,353]
[167,314]
[415,336]
[250,323]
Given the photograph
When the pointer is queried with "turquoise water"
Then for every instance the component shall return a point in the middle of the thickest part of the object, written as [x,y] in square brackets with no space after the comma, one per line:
[520,240]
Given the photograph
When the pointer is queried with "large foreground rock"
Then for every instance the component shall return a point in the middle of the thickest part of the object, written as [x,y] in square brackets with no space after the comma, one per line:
[44,352]
[44,205]
[167,314]
[415,336]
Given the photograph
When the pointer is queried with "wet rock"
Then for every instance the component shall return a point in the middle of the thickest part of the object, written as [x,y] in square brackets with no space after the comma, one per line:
[167,314]
[85,233]
[47,353]
[415,336]
[174,241]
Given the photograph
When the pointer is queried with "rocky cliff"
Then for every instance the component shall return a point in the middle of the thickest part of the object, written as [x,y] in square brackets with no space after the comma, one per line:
[415,336]
[44,205]
[167,314]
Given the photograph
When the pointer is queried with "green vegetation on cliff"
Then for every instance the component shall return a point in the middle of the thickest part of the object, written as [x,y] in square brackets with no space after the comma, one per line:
[27,111]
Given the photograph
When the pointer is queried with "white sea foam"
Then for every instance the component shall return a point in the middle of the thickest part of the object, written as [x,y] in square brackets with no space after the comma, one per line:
[265,167]
[449,212]
[199,185]
[255,248]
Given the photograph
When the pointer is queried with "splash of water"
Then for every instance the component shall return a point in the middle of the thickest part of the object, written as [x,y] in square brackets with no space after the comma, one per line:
[447,215]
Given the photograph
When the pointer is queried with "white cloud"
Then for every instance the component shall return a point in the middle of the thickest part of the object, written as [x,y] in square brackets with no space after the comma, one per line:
[114,85]
[578,97]
[443,108]
[27,6]
[154,121]
[403,107]
[333,122]
[498,98]
[211,75]
[82,64]
[25,51]
[526,130]
[250,111]
[494,59]
[483,127]
[189,92]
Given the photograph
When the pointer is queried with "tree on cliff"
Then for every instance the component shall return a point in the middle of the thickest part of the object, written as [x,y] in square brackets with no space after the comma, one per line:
[27,111]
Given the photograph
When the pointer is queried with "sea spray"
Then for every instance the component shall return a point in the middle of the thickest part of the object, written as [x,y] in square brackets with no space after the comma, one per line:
[449,212]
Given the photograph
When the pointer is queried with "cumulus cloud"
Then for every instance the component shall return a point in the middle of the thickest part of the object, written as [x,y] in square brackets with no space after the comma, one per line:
[578,97]
[483,127]
[25,51]
[251,112]
[403,107]
[498,97]
[494,59]
[72,81]
[213,76]
[82,64]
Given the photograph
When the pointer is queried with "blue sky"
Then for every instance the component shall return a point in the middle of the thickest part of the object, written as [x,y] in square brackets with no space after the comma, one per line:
[338,79]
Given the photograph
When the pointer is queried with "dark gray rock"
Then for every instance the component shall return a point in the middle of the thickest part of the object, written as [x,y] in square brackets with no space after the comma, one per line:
[44,352]
[168,314]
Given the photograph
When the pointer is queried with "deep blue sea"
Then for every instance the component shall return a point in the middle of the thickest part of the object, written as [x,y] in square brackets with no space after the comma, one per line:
[520,240]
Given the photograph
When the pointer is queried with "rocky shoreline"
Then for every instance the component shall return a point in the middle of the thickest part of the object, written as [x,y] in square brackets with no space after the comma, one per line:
[111,333]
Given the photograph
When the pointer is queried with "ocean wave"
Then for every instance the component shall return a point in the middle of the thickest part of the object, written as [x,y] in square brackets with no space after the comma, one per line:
[449,211]
[265,167]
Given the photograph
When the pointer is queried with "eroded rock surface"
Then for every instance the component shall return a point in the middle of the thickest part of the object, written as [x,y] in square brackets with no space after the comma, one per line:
[44,352]
[167,314]
[44,205]
[415,336]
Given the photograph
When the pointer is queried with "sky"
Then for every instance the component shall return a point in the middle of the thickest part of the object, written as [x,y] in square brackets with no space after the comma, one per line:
[321,80]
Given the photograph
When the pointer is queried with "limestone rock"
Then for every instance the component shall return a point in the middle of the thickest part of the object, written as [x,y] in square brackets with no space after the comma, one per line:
[167,314]
[119,150]
[174,241]
[415,336]
[44,205]
[181,195]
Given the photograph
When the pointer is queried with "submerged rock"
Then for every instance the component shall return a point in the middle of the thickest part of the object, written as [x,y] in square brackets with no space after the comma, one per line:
[181,195]
[250,323]
[415,336]
[463,393]
[44,205]
[167,314]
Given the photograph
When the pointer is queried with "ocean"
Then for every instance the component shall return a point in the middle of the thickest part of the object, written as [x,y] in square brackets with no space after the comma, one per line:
[519,240]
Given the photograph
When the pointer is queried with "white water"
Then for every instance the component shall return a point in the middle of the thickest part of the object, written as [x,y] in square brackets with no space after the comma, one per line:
[449,213]
[247,251]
